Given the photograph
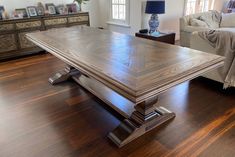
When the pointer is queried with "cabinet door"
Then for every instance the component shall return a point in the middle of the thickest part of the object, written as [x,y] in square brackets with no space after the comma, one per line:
[55,21]
[28,25]
[7,43]
[24,42]
[6,27]
[77,19]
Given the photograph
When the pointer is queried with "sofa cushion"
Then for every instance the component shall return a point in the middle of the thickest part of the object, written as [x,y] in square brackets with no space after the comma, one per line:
[228,20]
[197,23]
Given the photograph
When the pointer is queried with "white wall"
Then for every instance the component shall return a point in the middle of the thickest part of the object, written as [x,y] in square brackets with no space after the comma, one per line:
[94,10]
[92,7]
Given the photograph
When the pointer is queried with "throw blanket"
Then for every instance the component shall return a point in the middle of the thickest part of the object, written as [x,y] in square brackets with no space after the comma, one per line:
[224,44]
[216,16]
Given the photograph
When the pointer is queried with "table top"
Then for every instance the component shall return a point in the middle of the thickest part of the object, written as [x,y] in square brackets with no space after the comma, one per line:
[136,68]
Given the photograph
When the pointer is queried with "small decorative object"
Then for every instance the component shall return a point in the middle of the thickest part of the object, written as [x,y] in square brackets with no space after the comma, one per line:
[22,13]
[154,8]
[5,15]
[80,2]
[40,9]
[14,15]
[46,12]
[51,8]
[66,10]
[2,9]
[60,9]
[72,8]
[32,11]
[143,31]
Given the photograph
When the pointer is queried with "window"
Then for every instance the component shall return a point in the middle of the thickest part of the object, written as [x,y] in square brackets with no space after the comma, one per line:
[197,6]
[119,12]
[119,9]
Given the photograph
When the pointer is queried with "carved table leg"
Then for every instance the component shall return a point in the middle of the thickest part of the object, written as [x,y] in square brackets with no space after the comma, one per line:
[63,75]
[145,118]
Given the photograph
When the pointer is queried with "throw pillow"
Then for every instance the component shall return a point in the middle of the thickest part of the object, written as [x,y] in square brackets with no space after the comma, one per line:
[197,23]
[228,20]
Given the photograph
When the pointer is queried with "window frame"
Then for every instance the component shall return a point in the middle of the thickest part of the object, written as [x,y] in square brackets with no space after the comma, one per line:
[120,22]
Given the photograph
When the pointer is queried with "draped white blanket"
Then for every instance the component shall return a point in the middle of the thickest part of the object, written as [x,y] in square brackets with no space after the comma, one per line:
[224,44]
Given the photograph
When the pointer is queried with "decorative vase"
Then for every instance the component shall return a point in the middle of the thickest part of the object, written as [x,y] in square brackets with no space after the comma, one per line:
[79,7]
[153,23]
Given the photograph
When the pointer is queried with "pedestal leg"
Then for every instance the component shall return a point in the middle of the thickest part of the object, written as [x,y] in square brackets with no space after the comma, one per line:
[63,75]
[145,118]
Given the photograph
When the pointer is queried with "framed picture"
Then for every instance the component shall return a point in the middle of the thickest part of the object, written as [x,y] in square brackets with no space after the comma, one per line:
[72,8]
[2,9]
[51,8]
[22,12]
[32,11]
[48,4]
[40,10]
[61,9]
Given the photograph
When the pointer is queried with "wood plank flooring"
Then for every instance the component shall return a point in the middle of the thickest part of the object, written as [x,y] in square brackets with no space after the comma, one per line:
[41,120]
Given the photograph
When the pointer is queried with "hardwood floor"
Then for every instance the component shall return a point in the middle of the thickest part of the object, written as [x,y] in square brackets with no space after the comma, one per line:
[41,120]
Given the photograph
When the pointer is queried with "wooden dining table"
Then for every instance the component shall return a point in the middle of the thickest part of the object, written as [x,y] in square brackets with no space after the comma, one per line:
[125,72]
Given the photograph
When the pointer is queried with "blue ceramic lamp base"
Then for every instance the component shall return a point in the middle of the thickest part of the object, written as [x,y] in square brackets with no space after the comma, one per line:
[153,24]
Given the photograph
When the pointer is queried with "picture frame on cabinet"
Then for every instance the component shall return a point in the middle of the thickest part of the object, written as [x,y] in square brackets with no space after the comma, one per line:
[32,10]
[48,4]
[51,8]
[2,9]
[72,8]
[21,12]
[61,9]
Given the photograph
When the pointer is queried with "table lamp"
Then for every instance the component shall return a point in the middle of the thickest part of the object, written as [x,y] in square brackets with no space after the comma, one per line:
[154,7]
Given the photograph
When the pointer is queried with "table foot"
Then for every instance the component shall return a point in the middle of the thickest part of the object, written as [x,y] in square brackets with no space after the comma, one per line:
[63,75]
[141,121]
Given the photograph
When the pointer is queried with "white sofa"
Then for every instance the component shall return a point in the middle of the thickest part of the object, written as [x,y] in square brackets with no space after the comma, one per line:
[190,38]
[205,22]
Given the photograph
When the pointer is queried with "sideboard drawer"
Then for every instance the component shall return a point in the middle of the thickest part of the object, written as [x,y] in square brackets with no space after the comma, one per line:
[31,24]
[78,19]
[58,21]
[6,27]
[7,43]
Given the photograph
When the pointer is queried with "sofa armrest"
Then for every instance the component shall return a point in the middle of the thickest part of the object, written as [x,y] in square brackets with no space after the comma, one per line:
[198,43]
[185,34]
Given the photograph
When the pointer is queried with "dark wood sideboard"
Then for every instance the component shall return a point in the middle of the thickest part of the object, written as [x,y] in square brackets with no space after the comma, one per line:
[13,42]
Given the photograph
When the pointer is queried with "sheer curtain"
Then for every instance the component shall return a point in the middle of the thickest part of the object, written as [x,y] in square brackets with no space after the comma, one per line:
[197,6]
